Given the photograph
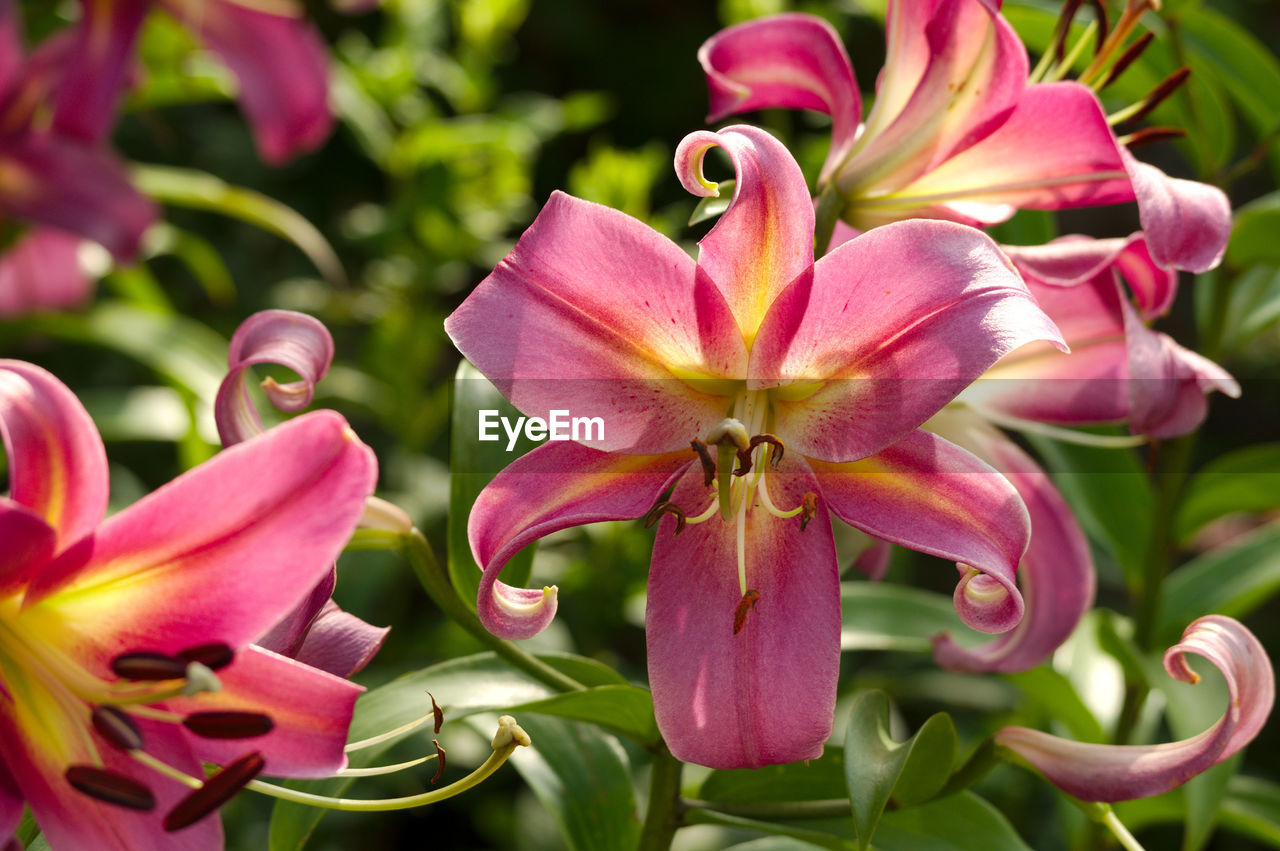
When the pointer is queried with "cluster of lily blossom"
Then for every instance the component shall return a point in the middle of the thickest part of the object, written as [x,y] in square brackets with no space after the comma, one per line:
[854,351]
[851,351]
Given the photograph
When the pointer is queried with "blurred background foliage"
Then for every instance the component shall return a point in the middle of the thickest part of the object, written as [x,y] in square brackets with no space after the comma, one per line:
[457,119]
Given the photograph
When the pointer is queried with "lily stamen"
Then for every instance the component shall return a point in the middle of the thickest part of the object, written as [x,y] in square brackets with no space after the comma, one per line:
[666,508]
[110,788]
[221,787]
[746,604]
[1158,95]
[708,463]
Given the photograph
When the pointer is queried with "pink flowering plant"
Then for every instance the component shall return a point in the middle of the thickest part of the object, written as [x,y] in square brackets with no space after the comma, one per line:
[819,427]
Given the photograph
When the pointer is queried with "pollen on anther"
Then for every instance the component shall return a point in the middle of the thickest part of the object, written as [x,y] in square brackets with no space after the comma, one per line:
[110,788]
[746,604]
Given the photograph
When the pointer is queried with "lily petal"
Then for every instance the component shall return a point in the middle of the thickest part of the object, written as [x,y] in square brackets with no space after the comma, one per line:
[597,313]
[555,486]
[764,240]
[95,68]
[29,543]
[1070,261]
[932,496]
[38,751]
[283,70]
[57,464]
[1093,772]
[11,804]
[765,694]
[287,635]
[310,712]
[217,554]
[284,337]
[895,323]
[1054,151]
[41,271]
[74,187]
[1187,223]
[339,642]
[954,71]
[1168,383]
[791,60]
[1056,575]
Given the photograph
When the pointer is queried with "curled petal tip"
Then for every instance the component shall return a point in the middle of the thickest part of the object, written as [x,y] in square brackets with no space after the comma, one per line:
[985,602]
[1122,772]
[384,516]
[688,163]
[516,613]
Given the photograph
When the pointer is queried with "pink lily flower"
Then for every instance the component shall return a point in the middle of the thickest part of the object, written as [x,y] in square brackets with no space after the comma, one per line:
[41,271]
[278,58]
[317,632]
[60,184]
[838,360]
[1093,772]
[109,629]
[955,131]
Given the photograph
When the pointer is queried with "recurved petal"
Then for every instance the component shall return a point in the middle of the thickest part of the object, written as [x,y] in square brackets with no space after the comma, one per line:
[930,495]
[1187,223]
[763,693]
[1167,383]
[1075,260]
[764,240]
[11,805]
[57,464]
[339,642]
[1095,772]
[39,741]
[282,66]
[75,187]
[555,486]
[595,313]
[1054,151]
[217,555]
[890,327]
[29,543]
[791,60]
[284,337]
[1056,575]
[310,712]
[286,636]
[41,271]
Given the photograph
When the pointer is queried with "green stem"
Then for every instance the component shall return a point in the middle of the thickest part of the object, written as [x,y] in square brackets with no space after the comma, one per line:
[1168,478]
[830,207]
[986,757]
[665,804]
[437,585]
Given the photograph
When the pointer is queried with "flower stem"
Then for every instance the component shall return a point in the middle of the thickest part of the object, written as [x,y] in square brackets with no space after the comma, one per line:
[665,805]
[437,585]
[828,808]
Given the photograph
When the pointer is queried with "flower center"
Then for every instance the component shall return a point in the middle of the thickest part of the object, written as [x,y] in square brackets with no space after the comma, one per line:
[737,457]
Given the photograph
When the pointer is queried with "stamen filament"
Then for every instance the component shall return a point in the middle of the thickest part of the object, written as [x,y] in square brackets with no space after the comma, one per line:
[390,734]
[742,549]
[374,771]
[706,515]
[1060,70]
[767,502]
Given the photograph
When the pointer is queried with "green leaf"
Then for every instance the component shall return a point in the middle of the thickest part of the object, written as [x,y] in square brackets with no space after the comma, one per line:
[1252,808]
[623,709]
[199,190]
[808,834]
[1244,481]
[462,687]
[1027,227]
[1109,494]
[962,822]
[1232,582]
[712,206]
[474,463]
[880,616]
[816,780]
[1253,305]
[582,776]
[1253,234]
[914,769]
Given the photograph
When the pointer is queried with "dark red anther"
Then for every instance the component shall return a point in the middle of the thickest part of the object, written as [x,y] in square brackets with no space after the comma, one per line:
[808,509]
[772,441]
[746,604]
[1152,135]
[212,656]
[117,727]
[1058,44]
[228,725]
[221,787]
[652,515]
[708,463]
[437,714]
[439,762]
[1130,55]
[149,666]
[1104,25]
[1161,93]
[110,788]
